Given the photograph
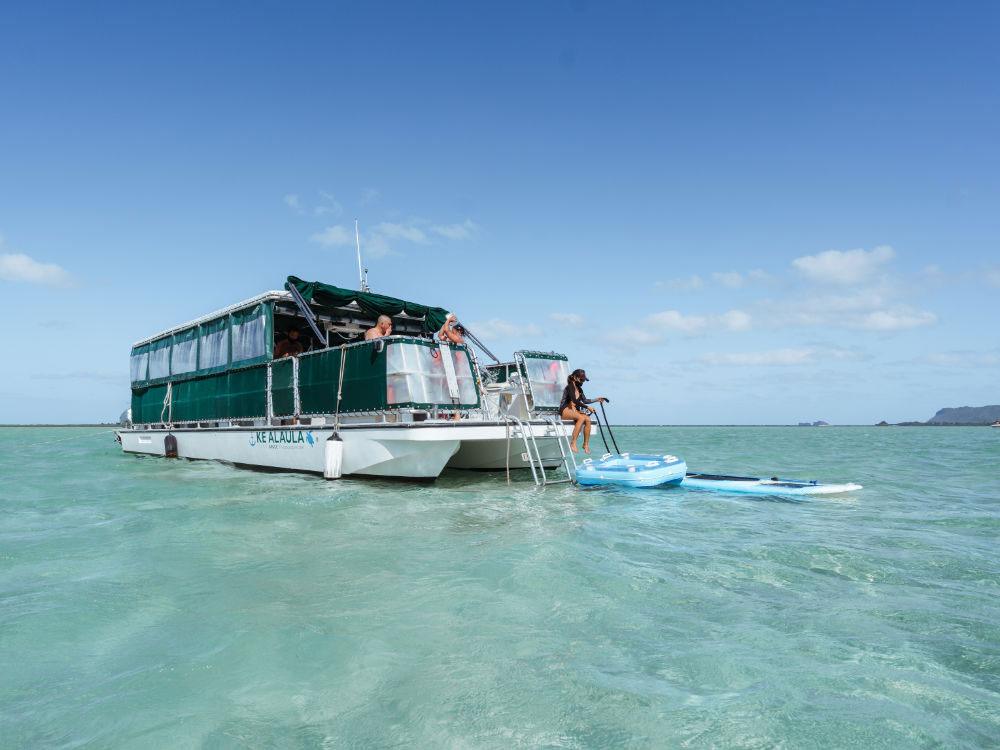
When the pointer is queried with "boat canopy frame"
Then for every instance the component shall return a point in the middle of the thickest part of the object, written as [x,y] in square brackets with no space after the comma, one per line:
[325,297]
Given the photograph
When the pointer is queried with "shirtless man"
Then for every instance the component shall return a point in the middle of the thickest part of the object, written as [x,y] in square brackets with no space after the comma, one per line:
[382,328]
[290,346]
[451,331]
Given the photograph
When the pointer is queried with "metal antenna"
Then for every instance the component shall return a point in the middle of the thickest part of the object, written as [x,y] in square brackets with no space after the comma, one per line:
[362,275]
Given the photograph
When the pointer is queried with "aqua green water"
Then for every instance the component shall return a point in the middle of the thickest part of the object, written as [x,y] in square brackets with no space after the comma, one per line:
[164,604]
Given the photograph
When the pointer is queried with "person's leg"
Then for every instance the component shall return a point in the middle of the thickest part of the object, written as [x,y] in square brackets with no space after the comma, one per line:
[586,434]
[570,413]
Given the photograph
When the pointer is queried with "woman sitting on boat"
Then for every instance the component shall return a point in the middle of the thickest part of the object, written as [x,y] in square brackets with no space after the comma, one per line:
[574,406]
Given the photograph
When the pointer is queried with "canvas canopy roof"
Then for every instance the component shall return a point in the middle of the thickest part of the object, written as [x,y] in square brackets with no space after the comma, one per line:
[324,295]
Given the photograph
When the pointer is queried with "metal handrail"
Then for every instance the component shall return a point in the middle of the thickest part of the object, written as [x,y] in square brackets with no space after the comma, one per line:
[534,454]
[608,424]
[307,312]
[531,459]
[563,442]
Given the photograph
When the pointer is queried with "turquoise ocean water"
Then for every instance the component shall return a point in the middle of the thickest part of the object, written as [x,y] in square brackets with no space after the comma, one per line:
[147,603]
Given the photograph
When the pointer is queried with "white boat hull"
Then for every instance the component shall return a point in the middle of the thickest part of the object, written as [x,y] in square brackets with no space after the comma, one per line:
[407,450]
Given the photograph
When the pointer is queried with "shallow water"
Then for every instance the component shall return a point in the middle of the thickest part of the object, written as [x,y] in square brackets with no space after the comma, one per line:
[155,603]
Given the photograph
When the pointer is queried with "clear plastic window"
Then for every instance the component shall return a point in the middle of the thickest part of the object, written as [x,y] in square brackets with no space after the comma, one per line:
[214,349]
[248,339]
[159,362]
[184,357]
[415,374]
[137,366]
[546,380]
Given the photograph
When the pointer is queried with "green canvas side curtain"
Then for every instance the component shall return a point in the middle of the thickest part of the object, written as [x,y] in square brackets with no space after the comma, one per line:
[373,304]
[226,395]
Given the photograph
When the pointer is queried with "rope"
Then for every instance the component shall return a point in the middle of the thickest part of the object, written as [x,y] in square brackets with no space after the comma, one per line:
[75,437]
[167,401]
[340,389]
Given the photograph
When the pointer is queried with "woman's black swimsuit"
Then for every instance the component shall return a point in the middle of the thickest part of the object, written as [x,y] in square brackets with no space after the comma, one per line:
[580,402]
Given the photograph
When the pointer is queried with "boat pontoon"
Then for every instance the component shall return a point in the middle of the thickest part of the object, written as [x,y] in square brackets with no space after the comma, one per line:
[214,386]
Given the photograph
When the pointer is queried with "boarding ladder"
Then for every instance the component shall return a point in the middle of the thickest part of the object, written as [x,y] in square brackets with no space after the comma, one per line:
[533,455]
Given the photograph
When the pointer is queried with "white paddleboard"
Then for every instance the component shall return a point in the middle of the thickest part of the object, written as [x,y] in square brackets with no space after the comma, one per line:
[759,486]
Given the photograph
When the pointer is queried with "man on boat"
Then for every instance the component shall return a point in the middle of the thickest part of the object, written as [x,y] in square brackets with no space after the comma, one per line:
[451,330]
[290,346]
[382,328]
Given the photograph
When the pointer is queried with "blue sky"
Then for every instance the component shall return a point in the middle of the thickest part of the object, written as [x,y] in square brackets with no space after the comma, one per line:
[726,212]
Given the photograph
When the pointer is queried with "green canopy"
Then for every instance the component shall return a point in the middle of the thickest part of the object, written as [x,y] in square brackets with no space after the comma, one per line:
[374,304]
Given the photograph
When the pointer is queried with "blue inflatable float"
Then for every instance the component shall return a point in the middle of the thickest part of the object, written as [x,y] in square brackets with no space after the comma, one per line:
[631,470]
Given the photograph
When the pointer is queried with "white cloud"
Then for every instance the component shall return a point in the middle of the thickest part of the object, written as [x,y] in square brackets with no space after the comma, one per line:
[992,275]
[637,336]
[333,237]
[775,357]
[962,359]
[292,201]
[897,318]
[692,284]
[381,239]
[737,280]
[20,267]
[331,205]
[844,267]
[672,321]
[781,357]
[727,279]
[734,320]
[497,328]
[757,276]
[409,232]
[626,339]
[457,231]
[568,320]
[375,246]
[864,311]
[844,355]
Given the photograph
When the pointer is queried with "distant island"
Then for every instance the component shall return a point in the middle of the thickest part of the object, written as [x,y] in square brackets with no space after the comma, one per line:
[966,415]
[957,416]
[820,423]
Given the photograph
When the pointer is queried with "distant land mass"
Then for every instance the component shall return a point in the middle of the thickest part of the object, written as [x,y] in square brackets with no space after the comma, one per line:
[956,416]
[966,415]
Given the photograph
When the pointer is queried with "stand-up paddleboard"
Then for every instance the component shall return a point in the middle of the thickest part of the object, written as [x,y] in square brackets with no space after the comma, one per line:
[631,470]
[758,486]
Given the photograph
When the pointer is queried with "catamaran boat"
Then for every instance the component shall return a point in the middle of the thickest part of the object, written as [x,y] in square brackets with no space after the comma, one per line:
[212,389]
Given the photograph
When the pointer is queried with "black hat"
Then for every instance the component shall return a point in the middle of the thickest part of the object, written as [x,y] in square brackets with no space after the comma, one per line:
[581,375]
